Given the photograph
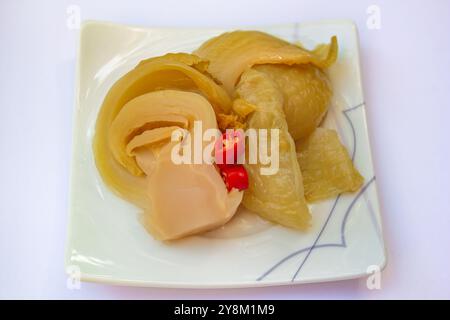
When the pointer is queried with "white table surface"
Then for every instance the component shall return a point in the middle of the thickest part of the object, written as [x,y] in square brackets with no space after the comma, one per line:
[406,66]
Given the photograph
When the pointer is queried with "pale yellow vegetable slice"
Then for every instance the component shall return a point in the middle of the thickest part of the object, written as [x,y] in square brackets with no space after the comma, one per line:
[187,199]
[326,166]
[278,197]
[150,137]
[153,110]
[230,54]
[307,95]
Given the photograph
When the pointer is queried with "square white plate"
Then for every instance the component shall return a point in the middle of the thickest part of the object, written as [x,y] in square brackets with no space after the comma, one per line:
[106,242]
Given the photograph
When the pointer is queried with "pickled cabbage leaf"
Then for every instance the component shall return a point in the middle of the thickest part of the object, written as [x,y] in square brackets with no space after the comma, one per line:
[278,197]
[231,53]
[307,94]
[326,166]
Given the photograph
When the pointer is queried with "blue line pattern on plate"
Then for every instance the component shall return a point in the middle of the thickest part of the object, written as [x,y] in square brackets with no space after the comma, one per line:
[343,242]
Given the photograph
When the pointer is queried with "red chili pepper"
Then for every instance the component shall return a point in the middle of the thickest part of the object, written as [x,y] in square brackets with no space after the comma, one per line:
[229,148]
[235,176]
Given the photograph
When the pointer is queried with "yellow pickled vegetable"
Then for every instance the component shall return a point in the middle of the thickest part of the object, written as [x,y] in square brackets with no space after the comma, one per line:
[137,158]
[114,141]
[278,197]
[307,94]
[231,53]
[297,71]
[243,108]
[156,115]
[326,166]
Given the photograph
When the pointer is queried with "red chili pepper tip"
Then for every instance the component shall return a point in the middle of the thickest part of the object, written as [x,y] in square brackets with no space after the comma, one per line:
[235,176]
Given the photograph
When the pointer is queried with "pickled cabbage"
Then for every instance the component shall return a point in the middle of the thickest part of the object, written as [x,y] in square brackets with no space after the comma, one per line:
[326,166]
[180,71]
[307,94]
[278,197]
[231,53]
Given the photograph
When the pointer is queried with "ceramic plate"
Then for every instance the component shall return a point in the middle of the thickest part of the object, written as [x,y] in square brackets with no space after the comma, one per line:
[106,242]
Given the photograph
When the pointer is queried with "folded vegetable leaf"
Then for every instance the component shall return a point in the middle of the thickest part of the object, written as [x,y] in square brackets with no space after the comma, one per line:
[278,197]
[230,54]
[307,94]
[326,166]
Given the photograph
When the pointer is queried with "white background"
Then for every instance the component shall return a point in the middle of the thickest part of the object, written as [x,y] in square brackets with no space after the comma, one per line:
[406,66]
